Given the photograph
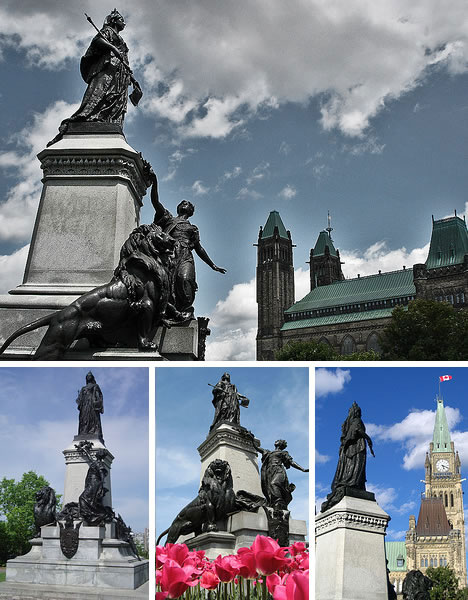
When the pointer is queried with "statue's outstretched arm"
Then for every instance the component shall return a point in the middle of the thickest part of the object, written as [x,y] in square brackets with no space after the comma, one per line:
[158,207]
[202,253]
[298,467]
[369,443]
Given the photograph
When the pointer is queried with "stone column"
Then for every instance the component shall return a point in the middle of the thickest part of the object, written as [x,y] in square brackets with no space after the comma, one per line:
[234,446]
[350,553]
[93,189]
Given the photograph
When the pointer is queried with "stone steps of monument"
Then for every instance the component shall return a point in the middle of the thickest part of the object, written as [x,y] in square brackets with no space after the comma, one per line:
[28,591]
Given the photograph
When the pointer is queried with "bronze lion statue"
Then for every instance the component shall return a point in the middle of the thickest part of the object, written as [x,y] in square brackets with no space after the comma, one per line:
[215,500]
[126,311]
[44,508]
[416,586]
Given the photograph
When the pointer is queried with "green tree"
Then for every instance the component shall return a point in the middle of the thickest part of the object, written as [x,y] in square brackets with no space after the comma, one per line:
[17,501]
[446,583]
[312,350]
[428,330]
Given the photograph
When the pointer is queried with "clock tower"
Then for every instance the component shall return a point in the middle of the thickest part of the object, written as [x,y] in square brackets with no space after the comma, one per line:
[443,480]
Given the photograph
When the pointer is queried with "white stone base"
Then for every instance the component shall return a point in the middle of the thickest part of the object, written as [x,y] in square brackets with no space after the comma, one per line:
[227,443]
[350,552]
[242,529]
[100,562]
[30,591]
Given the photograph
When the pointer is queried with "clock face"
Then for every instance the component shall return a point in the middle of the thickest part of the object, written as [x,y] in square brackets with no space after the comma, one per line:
[442,465]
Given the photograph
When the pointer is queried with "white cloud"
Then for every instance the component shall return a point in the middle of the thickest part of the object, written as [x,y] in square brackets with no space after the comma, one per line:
[415,432]
[321,458]
[284,148]
[385,496]
[259,172]
[12,269]
[199,189]
[227,175]
[246,193]
[328,381]
[288,192]
[378,257]
[215,60]
[392,534]
[175,467]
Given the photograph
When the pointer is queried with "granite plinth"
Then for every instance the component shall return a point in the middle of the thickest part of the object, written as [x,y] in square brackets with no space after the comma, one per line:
[234,446]
[241,530]
[350,552]
[101,561]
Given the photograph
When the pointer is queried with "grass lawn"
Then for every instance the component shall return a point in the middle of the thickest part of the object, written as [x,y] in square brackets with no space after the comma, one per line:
[2,576]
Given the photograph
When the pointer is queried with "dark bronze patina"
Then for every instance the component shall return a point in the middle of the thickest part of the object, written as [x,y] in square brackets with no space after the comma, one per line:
[106,70]
[350,475]
[126,311]
[417,586]
[90,403]
[227,402]
[69,537]
[90,502]
[44,508]
[187,239]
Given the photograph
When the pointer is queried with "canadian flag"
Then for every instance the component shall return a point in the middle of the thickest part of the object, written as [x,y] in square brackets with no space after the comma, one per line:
[445,377]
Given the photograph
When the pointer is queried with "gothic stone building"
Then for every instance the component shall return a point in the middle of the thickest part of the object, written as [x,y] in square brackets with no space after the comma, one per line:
[437,538]
[349,314]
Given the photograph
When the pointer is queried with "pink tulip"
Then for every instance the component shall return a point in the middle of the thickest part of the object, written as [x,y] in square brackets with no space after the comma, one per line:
[175,580]
[209,580]
[226,568]
[296,588]
[247,563]
[269,556]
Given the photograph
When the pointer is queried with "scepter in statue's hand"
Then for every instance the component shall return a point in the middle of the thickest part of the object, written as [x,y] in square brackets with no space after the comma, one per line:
[137,93]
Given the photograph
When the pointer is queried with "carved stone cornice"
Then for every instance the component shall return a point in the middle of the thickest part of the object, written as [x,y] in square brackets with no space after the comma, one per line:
[227,436]
[73,456]
[95,165]
[350,520]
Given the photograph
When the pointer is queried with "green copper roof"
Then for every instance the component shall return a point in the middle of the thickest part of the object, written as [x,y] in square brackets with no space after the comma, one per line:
[274,220]
[449,243]
[394,551]
[324,240]
[441,438]
[344,318]
[395,284]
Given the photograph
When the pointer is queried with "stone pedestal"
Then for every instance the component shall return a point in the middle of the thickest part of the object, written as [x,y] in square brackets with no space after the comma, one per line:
[234,446]
[241,530]
[90,203]
[350,552]
[100,562]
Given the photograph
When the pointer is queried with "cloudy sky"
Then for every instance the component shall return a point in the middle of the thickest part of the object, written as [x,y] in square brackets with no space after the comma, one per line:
[356,107]
[279,408]
[398,409]
[39,418]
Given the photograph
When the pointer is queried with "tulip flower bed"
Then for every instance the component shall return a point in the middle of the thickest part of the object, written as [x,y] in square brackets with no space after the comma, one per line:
[265,570]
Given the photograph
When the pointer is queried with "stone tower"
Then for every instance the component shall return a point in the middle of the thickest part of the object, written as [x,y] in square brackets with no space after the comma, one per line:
[275,283]
[444,275]
[438,537]
[325,263]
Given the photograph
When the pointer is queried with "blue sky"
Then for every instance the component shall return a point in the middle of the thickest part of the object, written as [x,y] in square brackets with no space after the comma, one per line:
[39,418]
[279,408]
[303,107]
[398,409]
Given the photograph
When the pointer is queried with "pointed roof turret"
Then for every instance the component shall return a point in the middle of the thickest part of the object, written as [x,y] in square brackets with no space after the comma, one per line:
[324,240]
[441,438]
[274,220]
[449,243]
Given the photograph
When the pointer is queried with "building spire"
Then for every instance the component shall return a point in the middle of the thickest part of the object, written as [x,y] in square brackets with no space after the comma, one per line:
[441,438]
[329,228]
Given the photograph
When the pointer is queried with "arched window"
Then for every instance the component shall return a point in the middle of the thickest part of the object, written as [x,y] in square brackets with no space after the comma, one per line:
[422,562]
[324,340]
[348,345]
[451,499]
[446,500]
[373,343]
[425,562]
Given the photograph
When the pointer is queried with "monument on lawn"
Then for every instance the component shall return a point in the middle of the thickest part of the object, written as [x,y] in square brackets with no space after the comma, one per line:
[86,545]
[350,530]
[88,217]
[234,503]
